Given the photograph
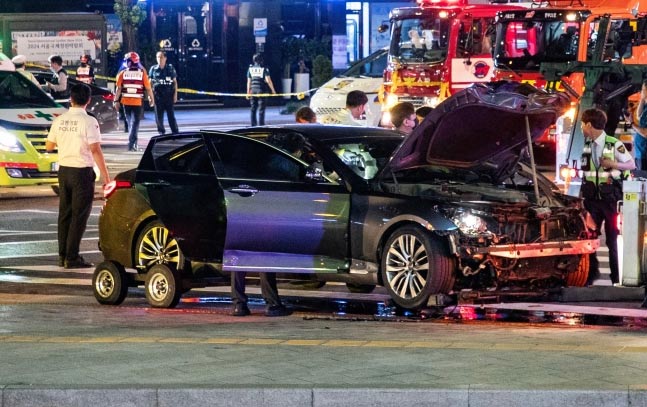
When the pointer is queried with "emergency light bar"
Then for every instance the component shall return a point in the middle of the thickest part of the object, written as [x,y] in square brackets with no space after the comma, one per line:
[436,3]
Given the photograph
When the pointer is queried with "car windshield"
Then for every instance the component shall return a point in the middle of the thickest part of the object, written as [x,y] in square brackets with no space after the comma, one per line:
[420,39]
[16,92]
[372,66]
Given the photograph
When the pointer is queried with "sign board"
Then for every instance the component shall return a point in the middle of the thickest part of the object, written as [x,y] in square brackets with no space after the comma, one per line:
[38,46]
[260,27]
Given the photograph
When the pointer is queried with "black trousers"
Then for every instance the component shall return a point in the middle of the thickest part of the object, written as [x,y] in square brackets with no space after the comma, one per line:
[269,291]
[605,211]
[165,104]
[76,186]
[257,104]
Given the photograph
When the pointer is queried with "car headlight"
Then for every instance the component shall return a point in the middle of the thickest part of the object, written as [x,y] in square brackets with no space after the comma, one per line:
[10,143]
[469,223]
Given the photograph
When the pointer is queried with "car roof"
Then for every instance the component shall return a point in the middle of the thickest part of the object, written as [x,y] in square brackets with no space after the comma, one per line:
[326,133]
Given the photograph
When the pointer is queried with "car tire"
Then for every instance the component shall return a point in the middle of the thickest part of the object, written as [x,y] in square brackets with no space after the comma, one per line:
[156,246]
[110,283]
[162,287]
[414,266]
[360,288]
[578,277]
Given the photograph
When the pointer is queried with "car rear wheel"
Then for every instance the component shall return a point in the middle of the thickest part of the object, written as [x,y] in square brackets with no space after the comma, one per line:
[414,266]
[110,283]
[360,288]
[162,287]
[578,277]
[156,246]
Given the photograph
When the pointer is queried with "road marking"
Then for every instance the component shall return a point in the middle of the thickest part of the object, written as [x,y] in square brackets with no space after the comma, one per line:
[55,255]
[247,341]
[28,211]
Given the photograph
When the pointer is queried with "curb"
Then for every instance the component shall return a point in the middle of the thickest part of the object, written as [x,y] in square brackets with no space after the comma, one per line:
[280,397]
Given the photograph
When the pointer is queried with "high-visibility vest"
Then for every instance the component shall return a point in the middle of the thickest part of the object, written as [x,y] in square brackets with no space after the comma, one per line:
[132,85]
[597,175]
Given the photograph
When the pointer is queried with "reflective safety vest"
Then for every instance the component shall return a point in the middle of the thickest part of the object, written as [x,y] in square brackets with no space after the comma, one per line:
[62,94]
[85,74]
[132,85]
[598,175]
[257,75]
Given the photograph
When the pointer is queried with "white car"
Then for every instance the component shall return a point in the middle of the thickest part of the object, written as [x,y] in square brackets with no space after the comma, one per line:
[364,75]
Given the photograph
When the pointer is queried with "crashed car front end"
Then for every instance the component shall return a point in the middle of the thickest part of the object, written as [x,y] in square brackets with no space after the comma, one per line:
[518,243]
[513,226]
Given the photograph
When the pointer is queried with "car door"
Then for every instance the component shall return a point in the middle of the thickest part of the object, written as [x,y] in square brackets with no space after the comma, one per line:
[177,176]
[277,218]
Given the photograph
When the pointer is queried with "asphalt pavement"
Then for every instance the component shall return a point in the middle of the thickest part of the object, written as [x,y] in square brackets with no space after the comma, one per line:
[58,350]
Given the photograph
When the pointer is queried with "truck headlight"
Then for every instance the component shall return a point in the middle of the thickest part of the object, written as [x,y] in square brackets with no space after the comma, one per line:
[10,143]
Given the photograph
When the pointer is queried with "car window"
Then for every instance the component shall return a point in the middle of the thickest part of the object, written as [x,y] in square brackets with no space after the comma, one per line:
[372,66]
[243,158]
[186,155]
[365,158]
[16,91]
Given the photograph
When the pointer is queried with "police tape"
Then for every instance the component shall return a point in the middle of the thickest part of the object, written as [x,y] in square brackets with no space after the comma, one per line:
[299,95]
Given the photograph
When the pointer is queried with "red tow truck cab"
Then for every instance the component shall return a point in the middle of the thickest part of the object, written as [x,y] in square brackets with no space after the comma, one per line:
[438,48]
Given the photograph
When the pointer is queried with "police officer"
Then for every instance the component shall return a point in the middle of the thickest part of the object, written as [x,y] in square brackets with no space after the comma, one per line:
[57,85]
[19,62]
[605,163]
[85,71]
[164,81]
[77,136]
[132,83]
[257,77]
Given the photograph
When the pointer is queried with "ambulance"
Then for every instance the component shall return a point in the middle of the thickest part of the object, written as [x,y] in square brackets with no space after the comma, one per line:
[26,114]
[365,75]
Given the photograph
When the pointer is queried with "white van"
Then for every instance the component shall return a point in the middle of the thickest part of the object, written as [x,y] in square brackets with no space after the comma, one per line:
[364,75]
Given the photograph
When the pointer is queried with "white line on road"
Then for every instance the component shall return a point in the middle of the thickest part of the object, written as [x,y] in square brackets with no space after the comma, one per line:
[29,256]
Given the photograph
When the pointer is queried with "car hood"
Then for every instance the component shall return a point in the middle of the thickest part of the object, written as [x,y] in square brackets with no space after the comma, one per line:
[485,122]
[30,116]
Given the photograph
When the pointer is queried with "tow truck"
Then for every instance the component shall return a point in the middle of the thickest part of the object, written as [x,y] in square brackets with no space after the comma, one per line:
[436,49]
[26,114]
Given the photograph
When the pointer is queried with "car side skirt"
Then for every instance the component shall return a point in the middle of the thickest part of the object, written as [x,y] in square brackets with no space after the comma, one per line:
[241,260]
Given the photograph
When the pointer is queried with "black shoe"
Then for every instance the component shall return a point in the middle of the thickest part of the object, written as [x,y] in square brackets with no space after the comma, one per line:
[644,304]
[241,310]
[77,263]
[277,311]
[61,261]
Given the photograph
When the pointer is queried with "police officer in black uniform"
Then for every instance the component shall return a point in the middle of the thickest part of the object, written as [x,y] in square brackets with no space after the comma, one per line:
[164,82]
[257,77]
[58,85]
[605,164]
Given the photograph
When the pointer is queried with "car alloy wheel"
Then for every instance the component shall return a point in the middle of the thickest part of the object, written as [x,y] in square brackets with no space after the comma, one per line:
[110,283]
[162,287]
[414,266]
[155,246]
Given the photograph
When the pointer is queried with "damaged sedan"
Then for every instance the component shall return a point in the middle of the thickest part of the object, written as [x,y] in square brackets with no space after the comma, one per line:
[452,206]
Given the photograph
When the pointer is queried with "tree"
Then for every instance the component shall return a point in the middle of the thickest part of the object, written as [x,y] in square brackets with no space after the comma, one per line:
[131,16]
